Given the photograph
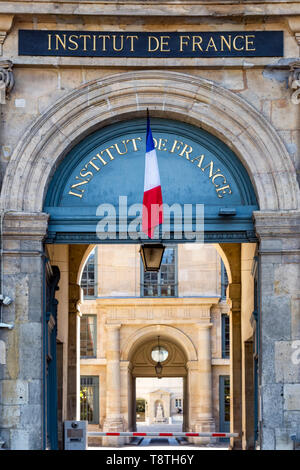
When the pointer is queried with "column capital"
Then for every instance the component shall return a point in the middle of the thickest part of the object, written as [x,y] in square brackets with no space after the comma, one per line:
[192,365]
[113,326]
[203,326]
[125,365]
[6,22]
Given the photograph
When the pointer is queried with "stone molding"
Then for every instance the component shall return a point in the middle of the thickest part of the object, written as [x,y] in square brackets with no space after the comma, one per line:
[6,78]
[168,94]
[169,8]
[277,225]
[174,334]
[294,80]
[25,226]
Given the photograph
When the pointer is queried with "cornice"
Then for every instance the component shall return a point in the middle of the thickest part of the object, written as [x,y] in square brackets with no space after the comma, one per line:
[130,8]
[205,302]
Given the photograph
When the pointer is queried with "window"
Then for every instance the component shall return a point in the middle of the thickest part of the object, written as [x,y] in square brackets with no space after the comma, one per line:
[88,336]
[224,396]
[88,276]
[163,283]
[89,399]
[224,281]
[225,336]
[178,403]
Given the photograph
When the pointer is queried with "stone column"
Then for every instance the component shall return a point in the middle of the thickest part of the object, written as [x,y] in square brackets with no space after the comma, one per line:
[279,320]
[200,386]
[124,395]
[113,420]
[21,385]
[185,424]
[204,420]
[235,372]
[233,253]
[76,253]
[74,352]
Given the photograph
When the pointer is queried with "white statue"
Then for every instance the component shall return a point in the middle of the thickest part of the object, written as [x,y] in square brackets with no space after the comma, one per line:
[159,412]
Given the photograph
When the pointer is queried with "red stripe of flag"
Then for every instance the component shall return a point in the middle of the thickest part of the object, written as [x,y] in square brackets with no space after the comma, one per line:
[153,214]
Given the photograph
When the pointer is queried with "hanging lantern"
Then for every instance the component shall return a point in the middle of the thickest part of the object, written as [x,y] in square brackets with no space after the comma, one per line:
[160,354]
[158,370]
[152,254]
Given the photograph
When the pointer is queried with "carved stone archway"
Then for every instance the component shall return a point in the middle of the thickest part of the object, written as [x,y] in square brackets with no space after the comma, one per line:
[148,332]
[168,94]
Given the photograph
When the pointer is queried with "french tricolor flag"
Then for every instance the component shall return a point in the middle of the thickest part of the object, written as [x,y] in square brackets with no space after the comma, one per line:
[152,201]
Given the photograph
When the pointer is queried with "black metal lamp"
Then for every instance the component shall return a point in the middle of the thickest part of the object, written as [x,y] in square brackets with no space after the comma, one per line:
[158,367]
[152,254]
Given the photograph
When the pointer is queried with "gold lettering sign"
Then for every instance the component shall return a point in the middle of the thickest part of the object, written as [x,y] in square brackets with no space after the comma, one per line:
[117,42]
[176,147]
[196,44]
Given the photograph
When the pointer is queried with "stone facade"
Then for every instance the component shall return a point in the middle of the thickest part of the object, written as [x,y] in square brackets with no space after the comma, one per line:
[48,104]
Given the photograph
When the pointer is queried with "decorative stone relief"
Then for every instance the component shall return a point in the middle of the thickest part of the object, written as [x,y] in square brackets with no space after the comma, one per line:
[294,82]
[5,27]
[6,80]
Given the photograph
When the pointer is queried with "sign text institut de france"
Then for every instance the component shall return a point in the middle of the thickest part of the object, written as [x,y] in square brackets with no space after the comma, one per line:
[141,44]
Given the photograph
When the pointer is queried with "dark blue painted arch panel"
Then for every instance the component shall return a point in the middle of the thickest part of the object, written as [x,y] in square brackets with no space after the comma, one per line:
[104,179]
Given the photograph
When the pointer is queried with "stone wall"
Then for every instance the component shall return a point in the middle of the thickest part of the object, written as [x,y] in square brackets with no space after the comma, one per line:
[57,101]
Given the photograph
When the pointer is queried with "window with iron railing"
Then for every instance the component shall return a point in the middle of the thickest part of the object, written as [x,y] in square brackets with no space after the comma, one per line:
[164,282]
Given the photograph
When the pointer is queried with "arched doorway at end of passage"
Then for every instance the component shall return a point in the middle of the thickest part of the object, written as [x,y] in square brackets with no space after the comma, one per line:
[160,393]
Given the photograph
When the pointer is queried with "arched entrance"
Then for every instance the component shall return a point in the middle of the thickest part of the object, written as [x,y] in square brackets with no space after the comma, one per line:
[183,98]
[141,364]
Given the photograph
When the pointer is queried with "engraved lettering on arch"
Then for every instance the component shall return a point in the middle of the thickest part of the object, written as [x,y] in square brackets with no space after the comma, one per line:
[186,151]
[98,161]
[174,146]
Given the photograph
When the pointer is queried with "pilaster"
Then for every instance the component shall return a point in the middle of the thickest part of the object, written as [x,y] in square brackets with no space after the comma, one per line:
[21,407]
[279,273]
[114,420]
[200,379]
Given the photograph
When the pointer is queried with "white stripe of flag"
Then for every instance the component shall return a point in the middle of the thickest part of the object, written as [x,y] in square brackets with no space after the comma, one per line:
[152,201]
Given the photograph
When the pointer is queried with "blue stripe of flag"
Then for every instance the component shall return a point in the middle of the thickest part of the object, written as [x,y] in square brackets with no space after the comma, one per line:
[149,138]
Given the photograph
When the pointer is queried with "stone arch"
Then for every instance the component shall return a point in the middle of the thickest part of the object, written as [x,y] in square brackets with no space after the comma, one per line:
[224,258]
[83,261]
[167,94]
[141,335]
